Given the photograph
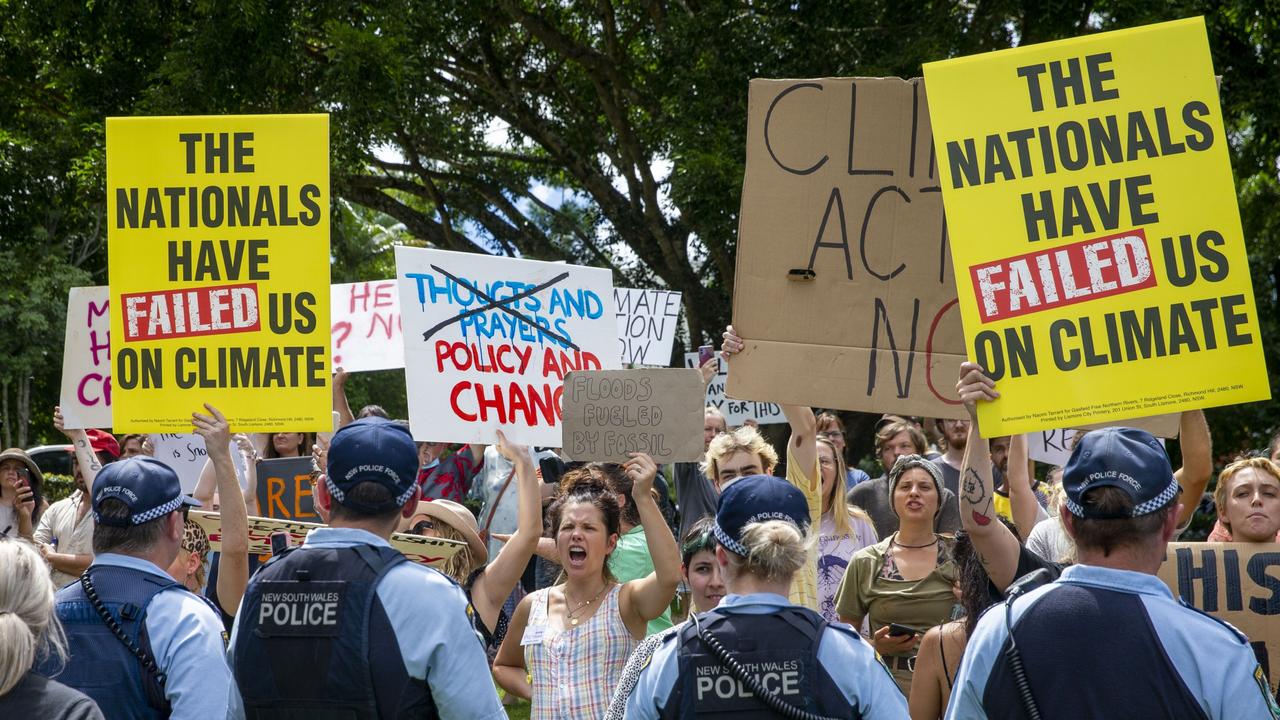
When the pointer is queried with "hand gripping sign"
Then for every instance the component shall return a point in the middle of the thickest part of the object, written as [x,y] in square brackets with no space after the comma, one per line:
[488,341]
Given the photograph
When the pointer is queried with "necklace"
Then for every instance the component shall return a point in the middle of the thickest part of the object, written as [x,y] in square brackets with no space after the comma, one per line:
[932,542]
[573,614]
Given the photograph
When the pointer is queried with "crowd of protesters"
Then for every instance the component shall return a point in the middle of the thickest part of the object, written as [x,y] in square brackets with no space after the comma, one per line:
[825,591]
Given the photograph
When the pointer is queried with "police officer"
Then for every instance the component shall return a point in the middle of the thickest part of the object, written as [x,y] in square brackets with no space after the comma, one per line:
[757,653]
[140,644]
[1107,639]
[339,627]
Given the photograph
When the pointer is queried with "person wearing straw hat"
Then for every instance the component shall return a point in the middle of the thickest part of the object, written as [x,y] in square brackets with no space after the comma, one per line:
[487,586]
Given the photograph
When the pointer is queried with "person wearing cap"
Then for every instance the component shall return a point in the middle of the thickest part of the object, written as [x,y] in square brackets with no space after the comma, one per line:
[21,503]
[487,585]
[756,636]
[339,624]
[1108,623]
[140,644]
[906,578]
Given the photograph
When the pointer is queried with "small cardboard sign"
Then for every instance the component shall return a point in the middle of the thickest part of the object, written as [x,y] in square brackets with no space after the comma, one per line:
[844,291]
[366,328]
[86,360]
[736,412]
[434,552]
[1237,583]
[284,489]
[610,413]
[647,323]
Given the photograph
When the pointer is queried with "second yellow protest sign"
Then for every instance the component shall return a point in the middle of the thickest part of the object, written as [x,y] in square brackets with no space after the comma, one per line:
[218,252]
[1097,246]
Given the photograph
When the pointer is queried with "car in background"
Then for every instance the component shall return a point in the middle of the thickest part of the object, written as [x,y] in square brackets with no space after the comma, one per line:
[53,459]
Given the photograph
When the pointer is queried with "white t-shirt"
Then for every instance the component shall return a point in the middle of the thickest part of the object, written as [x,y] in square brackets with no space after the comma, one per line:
[8,521]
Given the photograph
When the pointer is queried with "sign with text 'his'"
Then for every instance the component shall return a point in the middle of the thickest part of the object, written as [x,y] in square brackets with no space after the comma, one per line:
[86,360]
[1235,582]
[431,551]
[843,292]
[736,412]
[1094,227]
[218,231]
[365,320]
[647,323]
[285,490]
[488,340]
[610,413]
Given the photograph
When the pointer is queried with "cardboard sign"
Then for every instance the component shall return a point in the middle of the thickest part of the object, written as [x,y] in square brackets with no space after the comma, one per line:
[434,552]
[1094,228]
[1235,582]
[843,290]
[284,489]
[86,360]
[218,242]
[608,414]
[488,341]
[647,324]
[366,326]
[736,412]
[186,454]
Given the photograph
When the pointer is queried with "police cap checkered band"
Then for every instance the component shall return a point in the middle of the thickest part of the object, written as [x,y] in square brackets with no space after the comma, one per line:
[1128,459]
[753,499]
[147,487]
[373,450]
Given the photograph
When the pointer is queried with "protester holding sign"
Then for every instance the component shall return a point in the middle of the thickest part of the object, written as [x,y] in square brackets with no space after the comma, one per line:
[233,568]
[567,644]
[1122,510]
[65,531]
[487,585]
[845,528]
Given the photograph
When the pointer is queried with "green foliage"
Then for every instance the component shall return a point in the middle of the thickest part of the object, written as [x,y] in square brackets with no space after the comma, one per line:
[57,487]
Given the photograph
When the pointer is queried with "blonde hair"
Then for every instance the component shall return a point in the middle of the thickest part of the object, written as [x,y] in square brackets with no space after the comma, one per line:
[744,439]
[839,489]
[776,550]
[463,563]
[1260,464]
[27,622]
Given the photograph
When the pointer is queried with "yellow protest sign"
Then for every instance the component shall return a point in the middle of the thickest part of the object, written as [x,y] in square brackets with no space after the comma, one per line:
[1098,253]
[218,252]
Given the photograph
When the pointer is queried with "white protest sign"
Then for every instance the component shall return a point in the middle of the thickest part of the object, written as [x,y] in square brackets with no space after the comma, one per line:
[1053,447]
[736,412]
[86,360]
[647,323]
[487,341]
[365,320]
[186,454]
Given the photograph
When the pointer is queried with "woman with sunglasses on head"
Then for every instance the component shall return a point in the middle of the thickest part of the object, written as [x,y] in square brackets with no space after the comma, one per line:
[701,573]
[487,586]
[568,643]
[903,583]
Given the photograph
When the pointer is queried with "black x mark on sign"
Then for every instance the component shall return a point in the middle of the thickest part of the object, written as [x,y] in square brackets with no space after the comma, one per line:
[499,305]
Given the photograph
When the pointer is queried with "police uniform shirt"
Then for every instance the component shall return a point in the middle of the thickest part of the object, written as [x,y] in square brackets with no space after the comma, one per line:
[439,647]
[1157,654]
[187,641]
[848,658]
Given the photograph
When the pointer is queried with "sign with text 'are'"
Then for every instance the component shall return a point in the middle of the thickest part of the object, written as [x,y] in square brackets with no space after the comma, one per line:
[218,232]
[843,291]
[1098,251]
[612,413]
[488,340]
[284,489]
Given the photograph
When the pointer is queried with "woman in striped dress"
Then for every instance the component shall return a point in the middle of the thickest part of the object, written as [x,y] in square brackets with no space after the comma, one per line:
[567,644]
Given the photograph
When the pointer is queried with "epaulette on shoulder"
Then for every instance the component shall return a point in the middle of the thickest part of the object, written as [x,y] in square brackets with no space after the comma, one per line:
[1239,636]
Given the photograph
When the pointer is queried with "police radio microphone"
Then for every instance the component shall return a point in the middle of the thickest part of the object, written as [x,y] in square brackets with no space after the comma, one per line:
[1026,582]
[751,682]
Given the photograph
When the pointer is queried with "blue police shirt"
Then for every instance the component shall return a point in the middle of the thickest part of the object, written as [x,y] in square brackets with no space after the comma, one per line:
[439,646]
[850,661]
[187,640]
[1155,643]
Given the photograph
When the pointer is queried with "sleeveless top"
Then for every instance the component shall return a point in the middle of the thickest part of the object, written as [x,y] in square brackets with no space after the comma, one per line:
[574,671]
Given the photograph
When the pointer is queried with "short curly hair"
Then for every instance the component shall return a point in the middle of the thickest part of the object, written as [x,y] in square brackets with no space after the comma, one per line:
[744,439]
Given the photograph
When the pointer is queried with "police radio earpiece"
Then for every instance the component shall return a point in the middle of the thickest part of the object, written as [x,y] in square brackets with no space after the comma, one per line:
[749,681]
[1026,582]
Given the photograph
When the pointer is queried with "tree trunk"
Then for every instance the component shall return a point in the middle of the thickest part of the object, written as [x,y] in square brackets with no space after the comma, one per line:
[6,422]
[24,409]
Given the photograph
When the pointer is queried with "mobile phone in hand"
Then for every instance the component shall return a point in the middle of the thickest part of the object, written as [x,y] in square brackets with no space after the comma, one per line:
[705,354]
[896,630]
